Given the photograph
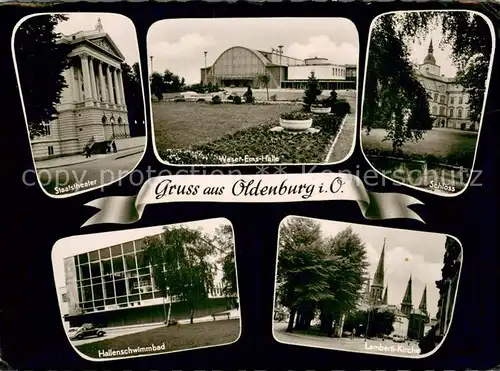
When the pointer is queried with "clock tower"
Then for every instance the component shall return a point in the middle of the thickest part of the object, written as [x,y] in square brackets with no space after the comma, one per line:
[429,66]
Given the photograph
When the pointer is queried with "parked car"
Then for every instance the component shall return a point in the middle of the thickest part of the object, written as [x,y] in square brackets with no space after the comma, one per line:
[86,330]
[398,338]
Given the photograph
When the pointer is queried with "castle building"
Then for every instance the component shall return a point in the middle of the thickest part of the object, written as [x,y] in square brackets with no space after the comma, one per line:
[448,101]
[409,322]
[92,109]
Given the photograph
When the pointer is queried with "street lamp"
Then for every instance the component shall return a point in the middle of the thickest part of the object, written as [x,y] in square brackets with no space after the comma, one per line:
[205,73]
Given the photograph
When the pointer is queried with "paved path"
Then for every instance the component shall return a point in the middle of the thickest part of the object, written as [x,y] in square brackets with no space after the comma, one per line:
[123,145]
[91,174]
[387,347]
[345,140]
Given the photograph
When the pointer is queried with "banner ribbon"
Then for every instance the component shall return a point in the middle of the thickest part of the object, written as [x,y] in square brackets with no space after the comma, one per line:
[253,188]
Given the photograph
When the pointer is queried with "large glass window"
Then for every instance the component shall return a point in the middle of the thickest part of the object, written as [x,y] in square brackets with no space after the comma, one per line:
[98,294]
[130,262]
[110,290]
[94,255]
[139,245]
[85,271]
[83,258]
[141,261]
[128,247]
[116,250]
[95,269]
[145,284]
[106,267]
[118,264]
[133,285]
[120,287]
[87,293]
[104,253]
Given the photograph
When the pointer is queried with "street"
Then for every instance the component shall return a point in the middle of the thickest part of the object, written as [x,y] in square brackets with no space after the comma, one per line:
[92,174]
[115,332]
[387,347]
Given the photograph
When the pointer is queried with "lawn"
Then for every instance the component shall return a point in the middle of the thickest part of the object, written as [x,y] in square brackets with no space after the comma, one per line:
[199,133]
[187,124]
[438,142]
[175,338]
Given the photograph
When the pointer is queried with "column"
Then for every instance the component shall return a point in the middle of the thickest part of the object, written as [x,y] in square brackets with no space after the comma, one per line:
[74,84]
[92,79]
[86,77]
[110,85]
[104,98]
[117,88]
[122,90]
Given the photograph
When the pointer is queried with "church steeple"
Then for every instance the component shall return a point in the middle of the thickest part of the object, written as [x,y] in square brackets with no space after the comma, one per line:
[384,300]
[406,304]
[378,280]
[423,301]
[429,59]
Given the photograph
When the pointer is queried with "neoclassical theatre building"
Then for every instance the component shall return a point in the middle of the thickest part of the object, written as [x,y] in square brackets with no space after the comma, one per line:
[92,108]
[449,103]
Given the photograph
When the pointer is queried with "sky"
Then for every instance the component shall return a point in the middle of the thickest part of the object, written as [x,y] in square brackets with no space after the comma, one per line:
[178,44]
[120,28]
[75,245]
[406,252]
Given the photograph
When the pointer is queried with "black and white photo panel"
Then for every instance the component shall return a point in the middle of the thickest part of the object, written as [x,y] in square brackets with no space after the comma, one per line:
[426,85]
[80,85]
[274,91]
[146,291]
[365,289]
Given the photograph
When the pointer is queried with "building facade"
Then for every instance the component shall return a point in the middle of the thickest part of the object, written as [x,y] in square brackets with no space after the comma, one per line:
[448,101]
[241,67]
[115,286]
[92,108]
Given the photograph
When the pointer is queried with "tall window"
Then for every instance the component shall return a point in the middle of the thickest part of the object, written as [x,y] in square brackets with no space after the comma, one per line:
[460,100]
[459,113]
[435,97]
[452,100]
[441,111]
[451,112]
[442,99]
[51,150]
[434,110]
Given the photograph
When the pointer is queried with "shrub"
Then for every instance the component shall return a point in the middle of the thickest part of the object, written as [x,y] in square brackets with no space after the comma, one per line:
[312,91]
[274,97]
[237,100]
[201,100]
[328,123]
[462,126]
[187,156]
[216,99]
[331,100]
[249,98]
[296,115]
[159,95]
[341,108]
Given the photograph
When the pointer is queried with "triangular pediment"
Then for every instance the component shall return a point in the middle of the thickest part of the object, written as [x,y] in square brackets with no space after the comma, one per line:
[106,44]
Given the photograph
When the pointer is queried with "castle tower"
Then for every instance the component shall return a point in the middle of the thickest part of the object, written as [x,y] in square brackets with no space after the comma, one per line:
[406,304]
[423,301]
[378,280]
[384,299]
[429,65]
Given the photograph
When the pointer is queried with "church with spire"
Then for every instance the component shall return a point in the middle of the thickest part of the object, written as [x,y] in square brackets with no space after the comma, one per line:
[448,100]
[409,322]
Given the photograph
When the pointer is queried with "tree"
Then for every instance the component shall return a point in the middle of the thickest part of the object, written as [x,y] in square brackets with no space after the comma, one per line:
[265,79]
[303,270]
[348,253]
[172,83]
[41,60]
[428,342]
[132,86]
[157,85]
[248,95]
[394,98]
[180,265]
[224,239]
[312,91]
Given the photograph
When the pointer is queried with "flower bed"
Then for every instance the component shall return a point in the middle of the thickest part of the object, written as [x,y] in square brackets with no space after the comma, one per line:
[460,158]
[259,142]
